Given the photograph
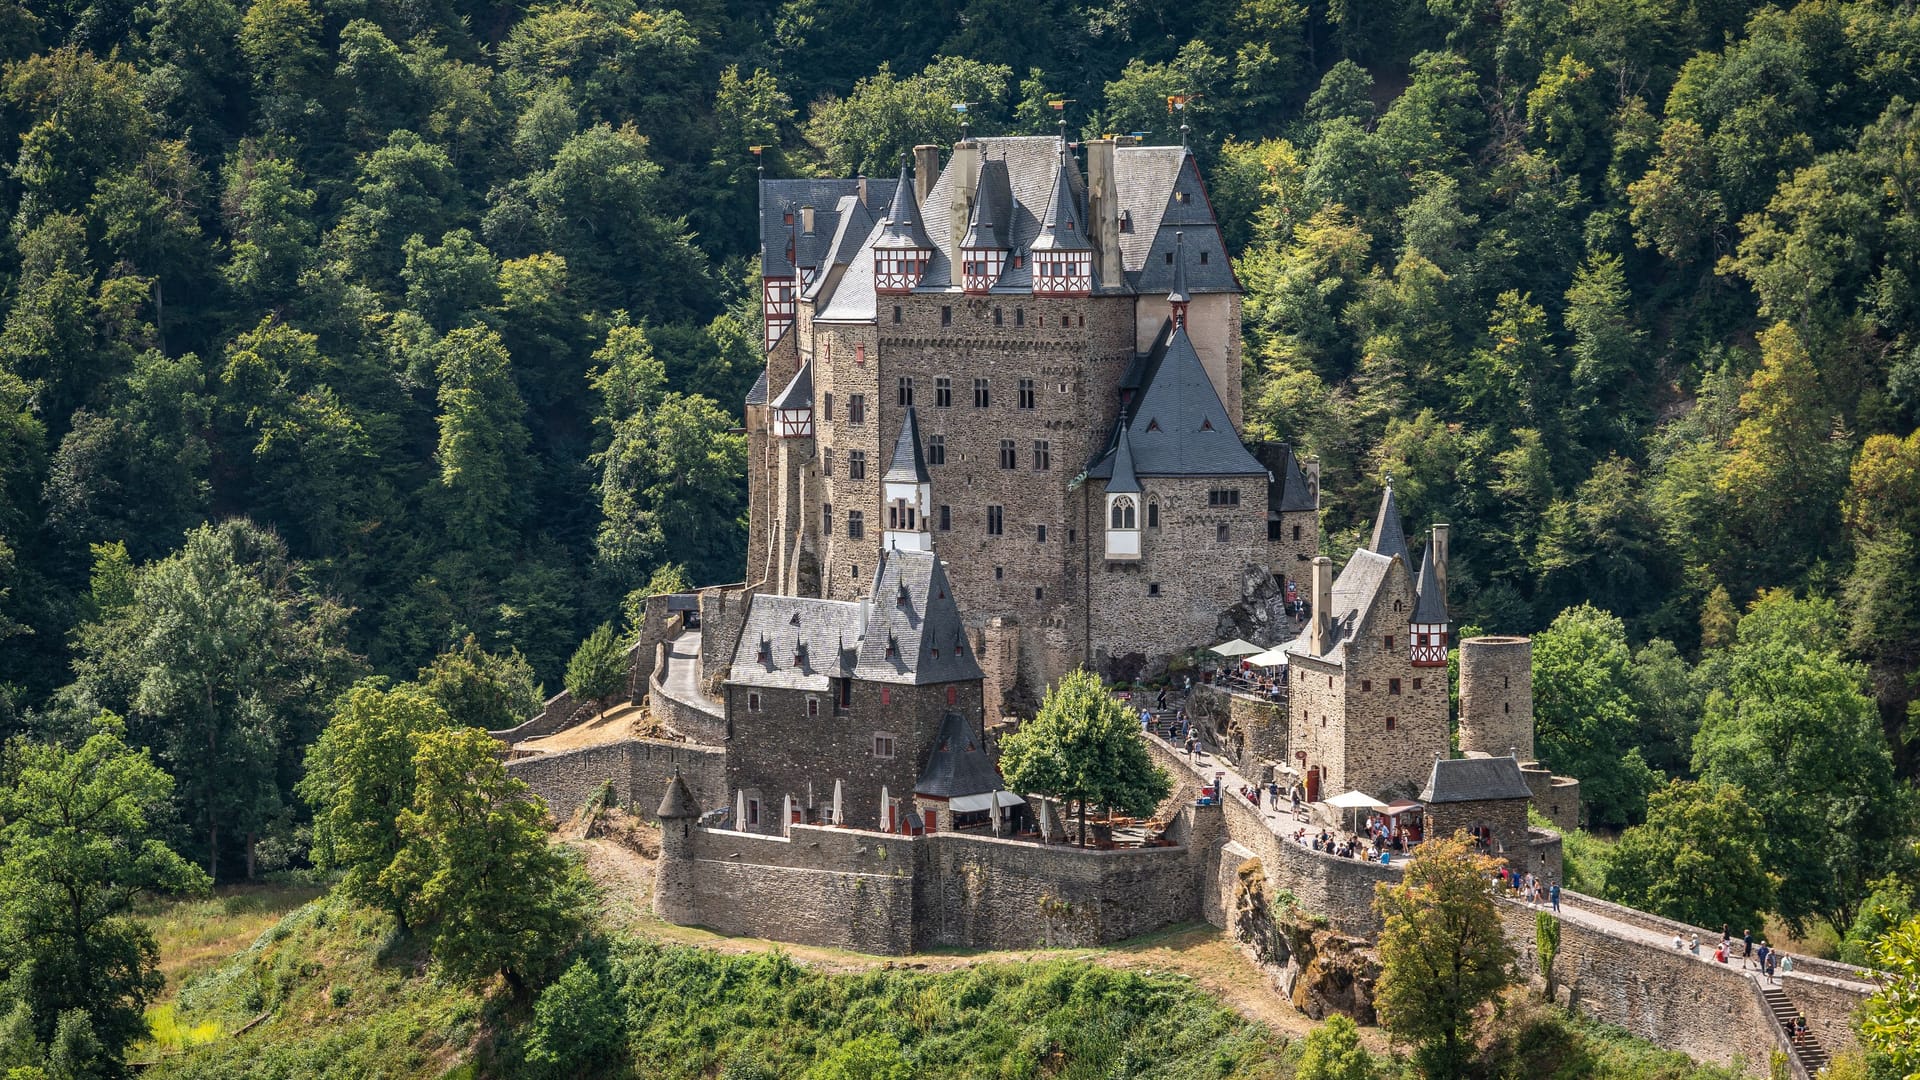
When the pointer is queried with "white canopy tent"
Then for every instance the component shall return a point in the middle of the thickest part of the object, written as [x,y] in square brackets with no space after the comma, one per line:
[1276,657]
[1356,801]
[988,801]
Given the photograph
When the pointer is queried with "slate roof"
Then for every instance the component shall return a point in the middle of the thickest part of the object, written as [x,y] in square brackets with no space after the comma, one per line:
[775,196]
[1295,492]
[991,225]
[1178,294]
[1123,479]
[959,764]
[854,298]
[908,465]
[1177,425]
[902,227]
[677,802]
[856,223]
[758,395]
[1430,603]
[1033,167]
[1354,594]
[1475,779]
[913,632]
[1061,228]
[799,391]
[808,642]
[1150,182]
[1389,538]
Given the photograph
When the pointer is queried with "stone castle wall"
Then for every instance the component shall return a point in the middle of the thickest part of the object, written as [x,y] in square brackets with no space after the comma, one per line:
[690,718]
[890,894]
[639,770]
[1496,696]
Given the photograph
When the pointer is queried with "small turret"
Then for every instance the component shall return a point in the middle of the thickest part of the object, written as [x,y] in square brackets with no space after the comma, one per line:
[1123,504]
[673,882]
[901,254]
[793,409]
[908,491]
[1062,255]
[1430,623]
[983,251]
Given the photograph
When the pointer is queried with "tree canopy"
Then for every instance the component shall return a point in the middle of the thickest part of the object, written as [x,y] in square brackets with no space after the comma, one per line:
[1084,746]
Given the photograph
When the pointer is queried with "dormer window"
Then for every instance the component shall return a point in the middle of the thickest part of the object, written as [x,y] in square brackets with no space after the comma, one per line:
[893,647]
[1062,273]
[766,651]
[904,596]
[1126,221]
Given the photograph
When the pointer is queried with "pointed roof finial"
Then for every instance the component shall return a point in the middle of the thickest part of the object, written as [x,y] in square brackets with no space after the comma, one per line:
[1124,480]
[1389,538]
[908,466]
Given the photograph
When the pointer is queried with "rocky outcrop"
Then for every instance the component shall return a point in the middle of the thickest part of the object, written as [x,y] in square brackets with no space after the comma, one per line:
[1261,614]
[1321,971]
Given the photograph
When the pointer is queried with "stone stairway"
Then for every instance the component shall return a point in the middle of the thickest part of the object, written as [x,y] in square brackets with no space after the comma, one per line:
[1813,1057]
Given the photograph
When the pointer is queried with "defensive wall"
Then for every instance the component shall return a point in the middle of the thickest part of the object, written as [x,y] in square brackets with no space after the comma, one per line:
[699,720]
[562,710]
[884,893]
[639,770]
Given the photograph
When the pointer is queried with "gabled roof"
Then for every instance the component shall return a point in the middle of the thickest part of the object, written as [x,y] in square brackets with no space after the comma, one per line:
[902,226]
[1430,601]
[799,391]
[677,802]
[758,395]
[1160,187]
[775,197]
[1062,227]
[991,225]
[1178,293]
[856,222]
[808,642]
[908,466]
[1033,166]
[1475,779]
[914,633]
[959,764]
[1354,593]
[1177,424]
[1389,538]
[854,298]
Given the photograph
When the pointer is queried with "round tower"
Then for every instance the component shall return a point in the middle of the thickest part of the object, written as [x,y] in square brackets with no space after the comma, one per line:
[673,885]
[1496,696]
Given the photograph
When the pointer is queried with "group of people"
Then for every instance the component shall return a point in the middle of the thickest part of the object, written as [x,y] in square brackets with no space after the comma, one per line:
[1385,837]
[1348,847]
[1762,957]
[1535,890]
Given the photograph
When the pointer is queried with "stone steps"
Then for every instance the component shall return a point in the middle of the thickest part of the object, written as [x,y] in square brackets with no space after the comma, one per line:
[1812,1055]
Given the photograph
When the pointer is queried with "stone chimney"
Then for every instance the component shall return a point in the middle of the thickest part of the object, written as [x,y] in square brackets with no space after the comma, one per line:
[1311,466]
[1103,212]
[861,181]
[1439,555]
[926,169]
[965,166]
[1320,623]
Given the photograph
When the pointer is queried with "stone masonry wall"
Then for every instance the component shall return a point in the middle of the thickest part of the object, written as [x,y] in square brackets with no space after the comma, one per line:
[1391,738]
[686,717]
[1257,731]
[638,768]
[834,888]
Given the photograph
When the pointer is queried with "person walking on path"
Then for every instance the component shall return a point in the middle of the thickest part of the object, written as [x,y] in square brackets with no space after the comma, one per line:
[1554,893]
[1746,937]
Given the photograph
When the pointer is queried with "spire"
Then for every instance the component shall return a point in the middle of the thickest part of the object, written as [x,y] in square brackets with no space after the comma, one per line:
[1123,479]
[908,466]
[1389,538]
[678,801]
[1430,601]
[1178,298]
[1061,229]
[903,228]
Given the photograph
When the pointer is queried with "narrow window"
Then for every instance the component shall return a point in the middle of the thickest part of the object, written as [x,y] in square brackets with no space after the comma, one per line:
[1009,457]
[826,519]
[936,449]
[1153,588]
[1040,533]
[1388,639]
[1417,682]
[883,744]
[1027,394]
[1020,316]
[1039,593]
[753,702]
[859,352]
[813,707]
[999,317]
[1296,534]
[999,572]
[1153,515]
[1393,687]
[953,695]
[1390,723]
[896,313]
[906,391]
[1219,534]
[1203,262]
[942,392]
[996,518]
[946,315]
[857,409]
[946,518]
[981,395]
[1366,685]
[856,529]
[1042,455]
[826,405]
[886,695]
[826,462]
[856,464]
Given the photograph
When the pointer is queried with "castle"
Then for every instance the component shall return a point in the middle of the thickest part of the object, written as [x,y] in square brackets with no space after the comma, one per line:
[1066,347]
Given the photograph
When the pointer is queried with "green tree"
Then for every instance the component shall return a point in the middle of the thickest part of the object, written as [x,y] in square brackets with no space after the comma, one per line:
[477,688]
[598,670]
[866,131]
[1333,1052]
[80,841]
[1890,1020]
[1891,903]
[360,778]
[1700,858]
[1442,953]
[577,1025]
[1084,745]
[672,472]
[477,868]
[484,471]
[1584,713]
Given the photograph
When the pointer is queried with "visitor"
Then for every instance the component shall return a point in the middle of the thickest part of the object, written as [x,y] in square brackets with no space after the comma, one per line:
[1720,954]
[1786,964]
[1746,936]
[1163,699]
[1694,948]
[1678,944]
[1760,959]
[1773,959]
[1554,893]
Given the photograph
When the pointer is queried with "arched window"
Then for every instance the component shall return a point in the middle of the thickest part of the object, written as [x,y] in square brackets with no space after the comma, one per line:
[1123,513]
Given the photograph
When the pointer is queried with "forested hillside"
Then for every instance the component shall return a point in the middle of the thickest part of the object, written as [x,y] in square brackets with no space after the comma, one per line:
[346,338]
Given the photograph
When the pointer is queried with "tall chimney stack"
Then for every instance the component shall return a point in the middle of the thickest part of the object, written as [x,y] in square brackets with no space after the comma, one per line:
[1439,555]
[1311,466]
[1320,624]
[1103,211]
[926,170]
[965,167]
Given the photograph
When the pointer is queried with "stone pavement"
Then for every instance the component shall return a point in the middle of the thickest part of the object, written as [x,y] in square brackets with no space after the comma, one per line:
[682,679]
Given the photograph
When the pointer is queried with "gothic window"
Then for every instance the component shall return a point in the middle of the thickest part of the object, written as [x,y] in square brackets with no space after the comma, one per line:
[857,468]
[981,395]
[856,525]
[1009,457]
[942,392]
[856,408]
[1153,515]
[1027,394]
[996,521]
[936,449]
[1122,514]
[1042,455]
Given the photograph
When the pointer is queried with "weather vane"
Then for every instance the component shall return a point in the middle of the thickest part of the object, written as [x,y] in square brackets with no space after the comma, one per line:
[961,107]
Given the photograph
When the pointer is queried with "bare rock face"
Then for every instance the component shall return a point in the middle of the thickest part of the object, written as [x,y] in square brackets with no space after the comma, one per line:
[1261,614]
[1322,972]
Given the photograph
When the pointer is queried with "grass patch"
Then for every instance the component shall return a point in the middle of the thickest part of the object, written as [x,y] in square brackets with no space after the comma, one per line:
[196,936]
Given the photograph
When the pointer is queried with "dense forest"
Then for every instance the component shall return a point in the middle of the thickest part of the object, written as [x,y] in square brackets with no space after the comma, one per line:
[348,339]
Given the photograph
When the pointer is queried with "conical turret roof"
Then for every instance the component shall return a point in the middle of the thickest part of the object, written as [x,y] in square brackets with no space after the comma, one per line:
[1060,229]
[1389,538]
[992,220]
[902,228]
[1430,603]
[1123,480]
[908,466]
[678,801]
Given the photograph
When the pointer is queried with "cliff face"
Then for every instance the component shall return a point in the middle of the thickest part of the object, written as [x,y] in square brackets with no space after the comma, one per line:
[1318,969]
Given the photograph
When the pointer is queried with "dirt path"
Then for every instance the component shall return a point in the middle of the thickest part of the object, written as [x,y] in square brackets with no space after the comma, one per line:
[1198,952]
